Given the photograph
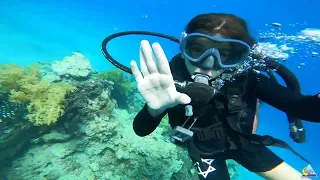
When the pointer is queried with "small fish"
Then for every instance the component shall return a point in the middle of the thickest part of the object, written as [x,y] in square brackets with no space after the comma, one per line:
[11,110]
[276,24]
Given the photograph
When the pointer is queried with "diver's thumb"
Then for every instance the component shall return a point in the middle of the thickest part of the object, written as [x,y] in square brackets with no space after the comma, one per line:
[183,98]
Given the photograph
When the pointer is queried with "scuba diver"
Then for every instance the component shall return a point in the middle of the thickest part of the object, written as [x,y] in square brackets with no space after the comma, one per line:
[265,64]
[210,93]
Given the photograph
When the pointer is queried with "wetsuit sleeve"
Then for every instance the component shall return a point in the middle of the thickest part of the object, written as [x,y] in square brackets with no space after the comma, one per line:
[293,103]
[144,124]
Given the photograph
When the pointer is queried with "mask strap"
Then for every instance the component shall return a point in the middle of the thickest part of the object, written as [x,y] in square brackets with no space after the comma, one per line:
[183,35]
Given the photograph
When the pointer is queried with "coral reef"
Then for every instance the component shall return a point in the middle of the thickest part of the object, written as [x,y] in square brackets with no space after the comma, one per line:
[45,100]
[83,101]
[24,95]
[135,100]
[92,136]
[122,87]
[92,97]
[107,149]
[77,66]
[12,76]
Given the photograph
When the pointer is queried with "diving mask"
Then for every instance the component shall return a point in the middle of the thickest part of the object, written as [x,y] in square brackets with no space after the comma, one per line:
[213,52]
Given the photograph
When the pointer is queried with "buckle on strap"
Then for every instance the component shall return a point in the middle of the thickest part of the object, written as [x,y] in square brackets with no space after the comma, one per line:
[234,95]
[235,103]
[211,132]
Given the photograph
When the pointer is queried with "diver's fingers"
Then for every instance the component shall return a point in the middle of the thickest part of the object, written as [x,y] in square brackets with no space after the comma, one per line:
[182,98]
[164,67]
[148,54]
[135,71]
[143,65]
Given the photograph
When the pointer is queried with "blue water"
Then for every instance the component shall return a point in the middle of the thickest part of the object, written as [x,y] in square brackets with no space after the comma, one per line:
[32,31]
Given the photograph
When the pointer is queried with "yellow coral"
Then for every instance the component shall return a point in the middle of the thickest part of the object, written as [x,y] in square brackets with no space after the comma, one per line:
[24,85]
[47,109]
[10,74]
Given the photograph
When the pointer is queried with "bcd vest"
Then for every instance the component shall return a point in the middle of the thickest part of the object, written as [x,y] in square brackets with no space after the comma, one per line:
[239,115]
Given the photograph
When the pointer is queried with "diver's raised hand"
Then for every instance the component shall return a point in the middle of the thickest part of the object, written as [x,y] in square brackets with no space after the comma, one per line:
[155,82]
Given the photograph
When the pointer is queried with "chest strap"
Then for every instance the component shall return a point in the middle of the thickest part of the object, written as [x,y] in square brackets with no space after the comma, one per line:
[234,105]
[216,131]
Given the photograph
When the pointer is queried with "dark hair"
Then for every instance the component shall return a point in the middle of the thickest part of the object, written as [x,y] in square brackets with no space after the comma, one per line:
[225,24]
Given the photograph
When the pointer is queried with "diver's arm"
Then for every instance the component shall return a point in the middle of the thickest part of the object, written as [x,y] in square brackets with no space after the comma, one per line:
[293,103]
[144,123]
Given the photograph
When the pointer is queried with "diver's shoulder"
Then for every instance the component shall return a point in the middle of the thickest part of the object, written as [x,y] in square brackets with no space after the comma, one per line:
[175,61]
[253,74]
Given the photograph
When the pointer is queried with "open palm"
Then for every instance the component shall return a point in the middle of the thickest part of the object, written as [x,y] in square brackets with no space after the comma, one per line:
[155,82]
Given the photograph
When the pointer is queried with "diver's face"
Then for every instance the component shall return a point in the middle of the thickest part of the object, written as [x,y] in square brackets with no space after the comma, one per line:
[198,47]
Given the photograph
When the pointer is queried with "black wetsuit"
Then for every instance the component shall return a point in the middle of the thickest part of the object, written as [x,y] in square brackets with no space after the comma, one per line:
[254,157]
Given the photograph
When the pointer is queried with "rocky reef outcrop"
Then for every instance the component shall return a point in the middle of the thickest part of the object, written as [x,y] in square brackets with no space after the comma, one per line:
[92,136]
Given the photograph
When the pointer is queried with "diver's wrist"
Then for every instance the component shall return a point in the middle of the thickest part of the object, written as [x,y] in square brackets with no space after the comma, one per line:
[155,112]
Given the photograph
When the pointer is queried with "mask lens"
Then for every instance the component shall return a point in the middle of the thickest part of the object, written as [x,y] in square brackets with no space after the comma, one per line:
[194,48]
[198,46]
[237,53]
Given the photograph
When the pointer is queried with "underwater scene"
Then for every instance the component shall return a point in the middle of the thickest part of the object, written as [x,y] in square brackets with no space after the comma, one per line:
[83,97]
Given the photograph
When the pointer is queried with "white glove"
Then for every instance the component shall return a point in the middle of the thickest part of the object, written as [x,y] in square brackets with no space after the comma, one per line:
[155,82]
